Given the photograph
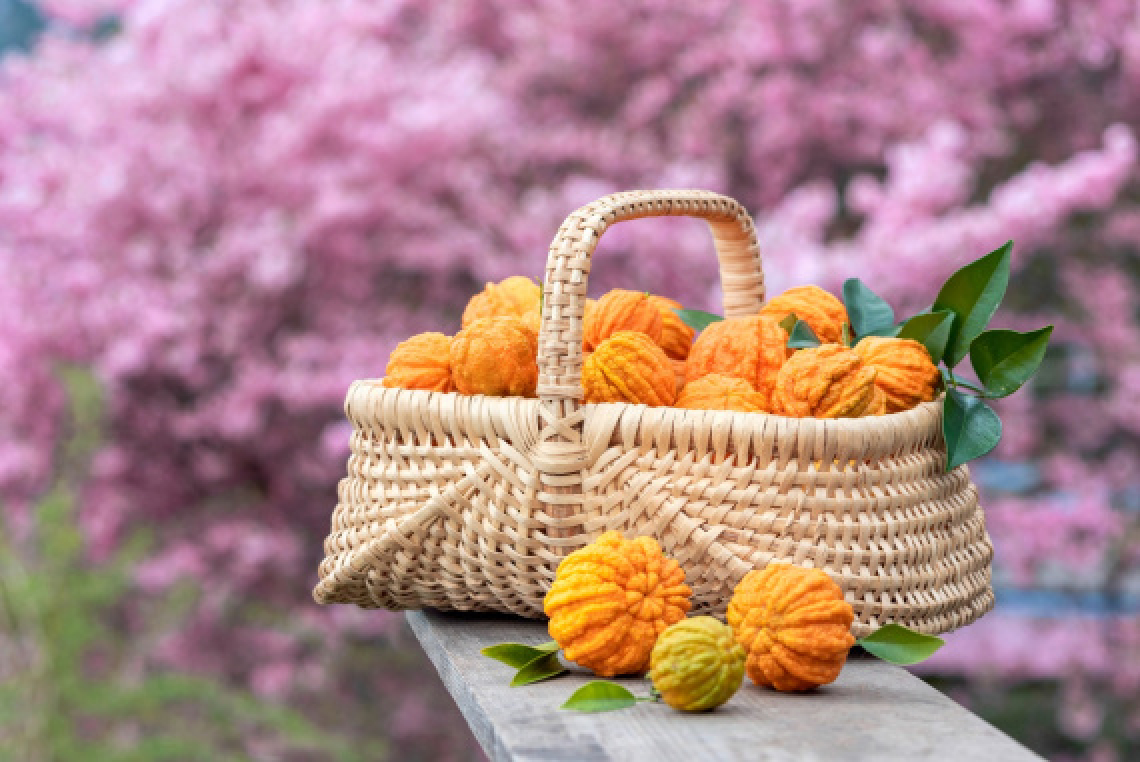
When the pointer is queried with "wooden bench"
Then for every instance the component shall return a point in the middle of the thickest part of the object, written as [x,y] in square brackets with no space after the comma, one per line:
[875,711]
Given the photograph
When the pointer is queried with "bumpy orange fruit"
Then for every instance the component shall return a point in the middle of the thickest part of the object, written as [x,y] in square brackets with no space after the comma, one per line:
[697,664]
[811,304]
[753,348]
[533,320]
[794,624]
[904,371]
[621,310]
[421,362]
[830,381]
[629,367]
[514,296]
[676,336]
[678,374]
[719,392]
[497,357]
[611,599]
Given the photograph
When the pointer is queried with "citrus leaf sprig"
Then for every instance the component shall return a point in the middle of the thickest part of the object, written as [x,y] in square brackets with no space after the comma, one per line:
[900,645]
[534,663]
[1002,360]
[953,329]
[603,696]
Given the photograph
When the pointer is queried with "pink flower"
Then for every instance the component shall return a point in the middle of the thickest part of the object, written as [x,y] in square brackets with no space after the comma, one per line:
[231,210]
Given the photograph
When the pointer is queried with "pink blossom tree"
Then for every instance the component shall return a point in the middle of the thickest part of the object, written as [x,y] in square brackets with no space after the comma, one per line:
[229,210]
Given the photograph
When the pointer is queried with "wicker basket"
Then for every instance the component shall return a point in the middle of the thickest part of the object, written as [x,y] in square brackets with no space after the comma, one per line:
[470,502]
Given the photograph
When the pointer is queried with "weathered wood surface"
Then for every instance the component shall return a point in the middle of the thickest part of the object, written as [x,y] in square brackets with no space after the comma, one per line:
[875,711]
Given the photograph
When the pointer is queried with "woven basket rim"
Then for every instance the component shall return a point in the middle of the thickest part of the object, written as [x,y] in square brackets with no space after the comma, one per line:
[915,414]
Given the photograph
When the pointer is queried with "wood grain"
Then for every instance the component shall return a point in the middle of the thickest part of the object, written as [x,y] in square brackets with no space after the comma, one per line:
[875,711]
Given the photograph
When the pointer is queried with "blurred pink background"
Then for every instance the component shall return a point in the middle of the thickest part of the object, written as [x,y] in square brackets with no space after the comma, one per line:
[227,210]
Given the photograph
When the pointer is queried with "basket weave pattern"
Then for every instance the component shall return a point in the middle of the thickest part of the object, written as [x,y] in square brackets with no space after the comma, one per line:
[470,502]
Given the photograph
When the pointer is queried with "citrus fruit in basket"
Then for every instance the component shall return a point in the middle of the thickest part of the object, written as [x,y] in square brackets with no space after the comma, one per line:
[514,296]
[824,313]
[753,348]
[904,371]
[830,381]
[629,367]
[794,624]
[611,600]
[697,664]
[676,336]
[719,392]
[421,362]
[497,357]
[621,310]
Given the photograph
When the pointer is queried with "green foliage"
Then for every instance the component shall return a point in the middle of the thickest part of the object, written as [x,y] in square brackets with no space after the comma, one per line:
[534,663]
[1004,360]
[600,696]
[932,330]
[541,668]
[973,295]
[76,691]
[802,336]
[900,645]
[870,314]
[518,655]
[698,320]
[970,426]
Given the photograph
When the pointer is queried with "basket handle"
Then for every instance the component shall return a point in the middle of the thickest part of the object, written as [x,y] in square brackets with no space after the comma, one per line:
[568,270]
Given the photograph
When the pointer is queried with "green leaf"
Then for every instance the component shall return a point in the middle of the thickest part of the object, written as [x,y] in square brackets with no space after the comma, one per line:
[868,311]
[802,336]
[541,668]
[973,295]
[518,655]
[932,330]
[901,645]
[846,330]
[789,322]
[698,320]
[600,696]
[971,428]
[1004,360]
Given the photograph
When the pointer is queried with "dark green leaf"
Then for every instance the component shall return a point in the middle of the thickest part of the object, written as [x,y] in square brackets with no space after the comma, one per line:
[868,311]
[973,295]
[789,322]
[932,330]
[970,427]
[698,320]
[802,336]
[1004,360]
[539,669]
[518,655]
[600,696]
[900,645]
